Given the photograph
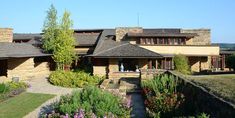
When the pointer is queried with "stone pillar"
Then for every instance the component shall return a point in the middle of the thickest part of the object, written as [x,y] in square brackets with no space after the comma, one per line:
[113,65]
[6,34]
[122,31]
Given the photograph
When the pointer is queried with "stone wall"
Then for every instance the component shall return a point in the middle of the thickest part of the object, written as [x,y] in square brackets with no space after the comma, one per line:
[199,63]
[200,100]
[26,68]
[6,34]
[122,31]
[113,65]
[203,38]
[20,67]
[41,69]
[100,70]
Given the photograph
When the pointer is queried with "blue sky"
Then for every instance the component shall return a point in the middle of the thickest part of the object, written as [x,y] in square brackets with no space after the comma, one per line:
[27,16]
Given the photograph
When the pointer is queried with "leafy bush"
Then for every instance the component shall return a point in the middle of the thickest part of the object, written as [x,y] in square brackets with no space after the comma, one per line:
[230,61]
[181,64]
[161,84]
[203,115]
[73,79]
[161,95]
[92,101]
[3,88]
[11,89]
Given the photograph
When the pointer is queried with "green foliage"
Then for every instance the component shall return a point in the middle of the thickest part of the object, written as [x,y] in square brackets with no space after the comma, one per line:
[73,79]
[161,84]
[161,95]
[64,45]
[50,30]
[58,38]
[92,100]
[230,61]
[11,89]
[181,64]
[4,88]
[17,85]
[203,115]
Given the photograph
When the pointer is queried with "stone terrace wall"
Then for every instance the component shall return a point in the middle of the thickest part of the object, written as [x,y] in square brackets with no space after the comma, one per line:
[203,38]
[20,67]
[198,100]
[6,35]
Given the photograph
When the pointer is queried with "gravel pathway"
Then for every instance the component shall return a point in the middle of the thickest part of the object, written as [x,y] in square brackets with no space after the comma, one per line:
[41,85]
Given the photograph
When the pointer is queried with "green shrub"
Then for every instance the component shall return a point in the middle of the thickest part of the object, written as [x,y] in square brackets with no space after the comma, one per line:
[11,89]
[161,95]
[92,100]
[3,88]
[161,84]
[181,64]
[73,79]
[203,115]
[17,85]
[230,61]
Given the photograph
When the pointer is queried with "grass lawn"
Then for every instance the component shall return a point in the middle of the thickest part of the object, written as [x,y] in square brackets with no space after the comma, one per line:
[21,105]
[222,85]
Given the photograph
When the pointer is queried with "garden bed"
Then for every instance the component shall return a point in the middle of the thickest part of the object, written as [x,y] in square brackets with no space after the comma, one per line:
[11,89]
[91,102]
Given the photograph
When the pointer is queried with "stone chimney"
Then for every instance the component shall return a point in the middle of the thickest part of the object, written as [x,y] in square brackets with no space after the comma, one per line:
[203,36]
[6,34]
[122,31]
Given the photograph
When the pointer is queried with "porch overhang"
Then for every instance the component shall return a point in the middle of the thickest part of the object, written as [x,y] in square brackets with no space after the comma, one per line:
[118,57]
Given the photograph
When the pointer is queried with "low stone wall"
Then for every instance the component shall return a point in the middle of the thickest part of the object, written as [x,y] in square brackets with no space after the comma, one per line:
[198,100]
[119,75]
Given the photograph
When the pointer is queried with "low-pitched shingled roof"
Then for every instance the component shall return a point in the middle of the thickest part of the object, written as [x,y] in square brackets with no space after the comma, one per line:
[188,35]
[26,36]
[86,39]
[113,49]
[16,50]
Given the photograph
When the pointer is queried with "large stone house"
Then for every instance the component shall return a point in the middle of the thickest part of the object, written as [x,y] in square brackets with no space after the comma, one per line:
[119,52]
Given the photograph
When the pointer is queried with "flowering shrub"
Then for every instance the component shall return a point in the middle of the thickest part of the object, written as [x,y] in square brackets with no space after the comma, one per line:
[91,102]
[73,79]
[161,95]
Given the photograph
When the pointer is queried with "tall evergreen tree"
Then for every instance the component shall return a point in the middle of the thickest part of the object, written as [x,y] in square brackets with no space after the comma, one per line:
[50,30]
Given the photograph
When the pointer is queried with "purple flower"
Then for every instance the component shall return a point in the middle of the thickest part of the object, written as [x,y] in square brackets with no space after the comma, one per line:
[81,113]
[66,116]
[93,115]
[76,115]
